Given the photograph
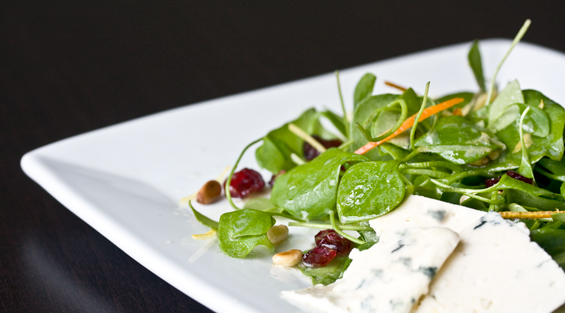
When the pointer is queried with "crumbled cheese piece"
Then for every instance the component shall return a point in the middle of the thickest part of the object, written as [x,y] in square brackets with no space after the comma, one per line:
[496,268]
[391,276]
[418,211]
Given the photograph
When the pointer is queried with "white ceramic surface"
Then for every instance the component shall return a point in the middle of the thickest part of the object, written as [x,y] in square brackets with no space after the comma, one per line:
[126,180]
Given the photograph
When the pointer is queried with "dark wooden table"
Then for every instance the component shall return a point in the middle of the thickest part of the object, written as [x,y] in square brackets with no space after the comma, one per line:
[67,67]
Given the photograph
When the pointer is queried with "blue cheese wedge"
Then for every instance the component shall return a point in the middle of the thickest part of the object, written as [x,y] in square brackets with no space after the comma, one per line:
[496,268]
[391,276]
[417,211]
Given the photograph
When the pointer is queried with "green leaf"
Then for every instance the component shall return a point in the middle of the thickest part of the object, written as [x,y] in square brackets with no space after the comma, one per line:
[395,152]
[552,241]
[369,190]
[362,114]
[550,146]
[364,89]
[457,140]
[339,122]
[279,144]
[507,117]
[555,167]
[262,204]
[536,122]
[389,119]
[475,204]
[526,199]
[327,274]
[558,217]
[508,96]
[241,231]
[507,182]
[274,155]
[413,102]
[203,219]
[553,143]
[368,236]
[476,64]
[386,127]
[309,191]
[427,191]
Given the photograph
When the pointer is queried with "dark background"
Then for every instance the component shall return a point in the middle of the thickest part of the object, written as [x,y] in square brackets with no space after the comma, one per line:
[70,67]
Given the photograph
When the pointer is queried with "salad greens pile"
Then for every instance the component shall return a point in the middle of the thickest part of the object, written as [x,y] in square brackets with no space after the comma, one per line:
[446,155]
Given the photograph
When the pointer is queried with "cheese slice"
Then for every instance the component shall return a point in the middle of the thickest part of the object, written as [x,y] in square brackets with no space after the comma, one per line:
[391,276]
[496,268]
[418,211]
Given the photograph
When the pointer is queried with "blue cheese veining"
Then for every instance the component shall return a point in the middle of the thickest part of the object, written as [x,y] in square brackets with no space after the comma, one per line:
[496,268]
[391,276]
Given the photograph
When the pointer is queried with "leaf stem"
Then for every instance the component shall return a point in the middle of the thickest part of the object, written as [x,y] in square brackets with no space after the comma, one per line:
[288,216]
[406,180]
[304,135]
[339,231]
[417,119]
[428,164]
[466,190]
[328,226]
[228,182]
[410,156]
[517,39]
[426,172]
[549,175]
[493,197]
[342,104]
[462,175]
[345,145]
[525,168]
[296,159]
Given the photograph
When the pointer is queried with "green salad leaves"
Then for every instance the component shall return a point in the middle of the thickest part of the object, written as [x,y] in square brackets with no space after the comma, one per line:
[475,148]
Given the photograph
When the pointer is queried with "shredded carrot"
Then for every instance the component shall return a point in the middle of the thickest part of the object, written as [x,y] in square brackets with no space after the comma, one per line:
[393,85]
[458,112]
[409,122]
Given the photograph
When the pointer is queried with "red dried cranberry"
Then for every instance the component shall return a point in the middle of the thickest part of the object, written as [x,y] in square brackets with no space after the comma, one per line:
[245,182]
[331,239]
[309,151]
[493,181]
[319,257]
[520,177]
[274,178]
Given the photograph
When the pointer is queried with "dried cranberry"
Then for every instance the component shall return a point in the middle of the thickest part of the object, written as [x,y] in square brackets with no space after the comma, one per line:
[331,239]
[319,256]
[274,178]
[493,181]
[245,182]
[310,152]
[520,177]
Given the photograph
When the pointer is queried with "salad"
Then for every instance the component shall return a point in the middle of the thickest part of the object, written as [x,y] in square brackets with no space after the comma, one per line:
[489,150]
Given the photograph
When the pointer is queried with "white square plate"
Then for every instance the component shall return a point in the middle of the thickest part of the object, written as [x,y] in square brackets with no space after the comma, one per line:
[126,180]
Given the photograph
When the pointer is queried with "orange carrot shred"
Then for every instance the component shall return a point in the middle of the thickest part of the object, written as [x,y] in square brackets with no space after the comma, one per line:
[393,85]
[409,122]
[458,112]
